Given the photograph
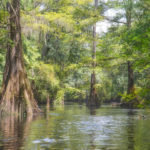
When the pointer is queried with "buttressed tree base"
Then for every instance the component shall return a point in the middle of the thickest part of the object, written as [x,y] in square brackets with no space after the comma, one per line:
[16,96]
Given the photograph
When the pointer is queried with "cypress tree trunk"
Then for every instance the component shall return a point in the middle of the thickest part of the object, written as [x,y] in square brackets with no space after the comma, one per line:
[93,99]
[130,79]
[130,89]
[16,94]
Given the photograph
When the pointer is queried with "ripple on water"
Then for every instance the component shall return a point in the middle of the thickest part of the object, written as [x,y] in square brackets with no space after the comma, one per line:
[46,140]
[74,128]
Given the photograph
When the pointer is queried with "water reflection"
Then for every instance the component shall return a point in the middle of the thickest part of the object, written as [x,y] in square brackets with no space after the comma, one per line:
[13,132]
[130,129]
[74,127]
[92,111]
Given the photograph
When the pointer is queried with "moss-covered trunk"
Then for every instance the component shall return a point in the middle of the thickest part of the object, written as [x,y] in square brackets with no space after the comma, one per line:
[16,93]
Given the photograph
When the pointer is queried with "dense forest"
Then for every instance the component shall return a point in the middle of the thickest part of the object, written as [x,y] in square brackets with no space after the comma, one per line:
[74,74]
[56,50]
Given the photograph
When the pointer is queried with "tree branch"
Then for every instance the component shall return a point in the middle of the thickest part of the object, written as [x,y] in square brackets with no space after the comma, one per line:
[112,20]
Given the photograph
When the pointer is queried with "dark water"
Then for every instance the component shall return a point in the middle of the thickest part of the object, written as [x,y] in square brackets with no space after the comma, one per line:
[75,127]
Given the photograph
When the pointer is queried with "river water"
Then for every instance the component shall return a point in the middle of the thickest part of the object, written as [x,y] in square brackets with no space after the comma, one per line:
[75,127]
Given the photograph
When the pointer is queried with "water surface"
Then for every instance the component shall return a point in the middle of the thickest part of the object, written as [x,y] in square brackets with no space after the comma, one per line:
[75,127]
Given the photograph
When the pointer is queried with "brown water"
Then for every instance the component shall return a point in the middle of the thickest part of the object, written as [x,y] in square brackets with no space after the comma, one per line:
[75,127]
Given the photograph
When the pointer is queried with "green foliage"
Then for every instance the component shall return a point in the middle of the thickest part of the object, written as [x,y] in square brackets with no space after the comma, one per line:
[45,81]
[57,43]
[3,41]
[59,97]
[128,97]
[137,99]
[42,75]
[74,94]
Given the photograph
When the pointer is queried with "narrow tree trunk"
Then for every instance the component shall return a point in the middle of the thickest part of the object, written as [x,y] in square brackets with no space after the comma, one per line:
[48,103]
[93,99]
[133,102]
[130,79]
[16,96]
[130,89]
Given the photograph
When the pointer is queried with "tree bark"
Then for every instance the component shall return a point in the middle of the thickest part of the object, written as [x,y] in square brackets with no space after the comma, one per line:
[16,94]
[130,89]
[48,102]
[130,79]
[93,99]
